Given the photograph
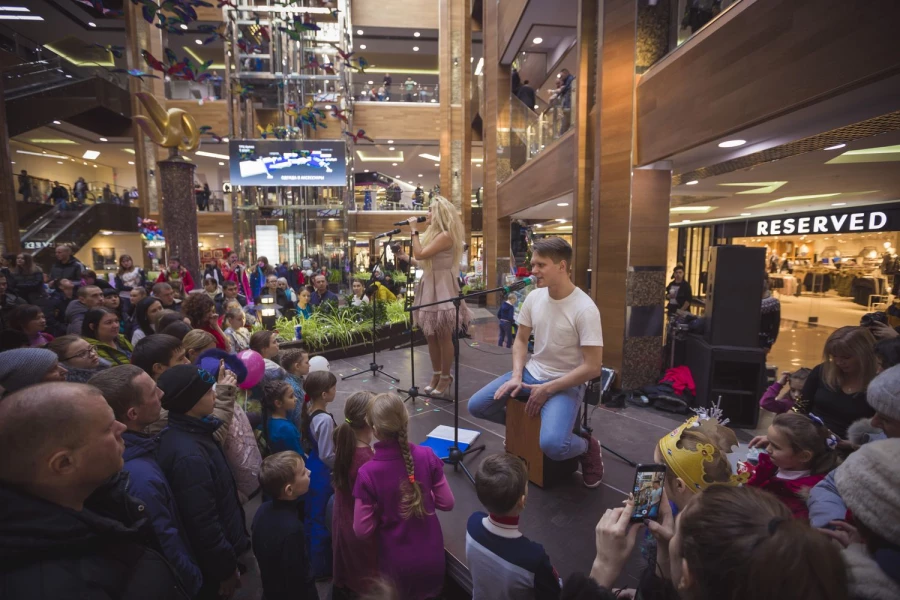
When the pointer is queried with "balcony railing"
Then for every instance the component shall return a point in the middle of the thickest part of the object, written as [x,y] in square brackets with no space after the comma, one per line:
[531,132]
[418,93]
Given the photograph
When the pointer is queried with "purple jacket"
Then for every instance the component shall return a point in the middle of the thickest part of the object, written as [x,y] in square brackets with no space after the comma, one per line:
[770,402]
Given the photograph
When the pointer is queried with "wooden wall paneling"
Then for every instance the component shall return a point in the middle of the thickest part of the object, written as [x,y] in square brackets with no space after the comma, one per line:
[398,120]
[650,195]
[543,178]
[583,166]
[212,112]
[374,223]
[770,59]
[509,19]
[420,14]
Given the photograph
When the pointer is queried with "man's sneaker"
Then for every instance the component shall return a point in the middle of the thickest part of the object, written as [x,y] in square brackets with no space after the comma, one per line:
[592,464]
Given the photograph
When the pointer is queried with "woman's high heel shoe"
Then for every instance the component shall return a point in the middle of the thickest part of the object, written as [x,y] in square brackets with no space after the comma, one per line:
[444,393]
[430,388]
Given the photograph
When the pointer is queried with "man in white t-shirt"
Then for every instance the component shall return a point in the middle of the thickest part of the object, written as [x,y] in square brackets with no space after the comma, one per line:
[568,352]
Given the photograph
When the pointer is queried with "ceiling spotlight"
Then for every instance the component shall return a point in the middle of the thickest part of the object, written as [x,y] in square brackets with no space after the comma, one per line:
[390,141]
[420,175]
[562,203]
[327,107]
[390,147]
[198,42]
[359,32]
[104,140]
[183,26]
[835,147]
[437,164]
[416,34]
[560,220]
[366,171]
[370,82]
[90,155]
[59,162]
[130,162]
[839,204]
[686,221]
[537,40]
[732,143]
[362,46]
[221,164]
[91,24]
[415,48]
[393,164]
[397,176]
[221,235]
[694,182]
[57,123]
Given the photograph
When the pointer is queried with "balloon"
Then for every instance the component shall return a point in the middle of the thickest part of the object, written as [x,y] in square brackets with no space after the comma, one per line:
[256,367]
[318,363]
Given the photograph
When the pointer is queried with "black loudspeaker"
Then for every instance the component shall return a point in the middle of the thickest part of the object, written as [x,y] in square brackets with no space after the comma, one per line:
[734,295]
[734,377]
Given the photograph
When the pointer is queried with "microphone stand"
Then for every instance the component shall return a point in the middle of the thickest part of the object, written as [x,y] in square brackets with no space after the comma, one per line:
[374,367]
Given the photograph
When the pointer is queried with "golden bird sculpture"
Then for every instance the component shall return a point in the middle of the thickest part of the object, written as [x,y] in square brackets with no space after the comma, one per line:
[175,128]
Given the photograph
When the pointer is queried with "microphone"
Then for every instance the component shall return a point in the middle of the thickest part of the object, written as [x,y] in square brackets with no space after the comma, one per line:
[418,220]
[387,234]
[519,285]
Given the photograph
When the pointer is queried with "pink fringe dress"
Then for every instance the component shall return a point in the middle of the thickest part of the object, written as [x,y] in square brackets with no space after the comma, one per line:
[439,283]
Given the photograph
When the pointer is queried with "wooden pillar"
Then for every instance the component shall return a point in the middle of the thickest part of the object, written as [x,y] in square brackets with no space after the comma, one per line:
[455,49]
[631,212]
[141,35]
[583,106]
[9,213]
[495,123]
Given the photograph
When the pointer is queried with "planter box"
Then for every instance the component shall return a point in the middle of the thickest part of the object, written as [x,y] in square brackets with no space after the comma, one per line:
[480,301]
[388,337]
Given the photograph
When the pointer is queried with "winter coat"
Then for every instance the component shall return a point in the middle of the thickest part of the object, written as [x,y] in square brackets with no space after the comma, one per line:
[71,270]
[258,280]
[74,316]
[239,276]
[868,580]
[27,285]
[114,355]
[793,492]
[279,543]
[242,454]
[107,551]
[183,274]
[76,375]
[213,272]
[148,484]
[206,495]
[53,312]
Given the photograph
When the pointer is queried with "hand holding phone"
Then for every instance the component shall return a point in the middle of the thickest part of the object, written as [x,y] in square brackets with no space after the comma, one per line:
[648,485]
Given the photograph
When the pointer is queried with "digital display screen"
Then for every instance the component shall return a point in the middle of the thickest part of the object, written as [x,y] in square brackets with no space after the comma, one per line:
[648,490]
[288,162]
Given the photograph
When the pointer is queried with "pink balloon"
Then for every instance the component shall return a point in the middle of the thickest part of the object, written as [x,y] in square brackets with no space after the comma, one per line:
[256,367]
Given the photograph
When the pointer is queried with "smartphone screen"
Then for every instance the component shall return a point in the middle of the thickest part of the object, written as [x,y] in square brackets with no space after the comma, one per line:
[647,490]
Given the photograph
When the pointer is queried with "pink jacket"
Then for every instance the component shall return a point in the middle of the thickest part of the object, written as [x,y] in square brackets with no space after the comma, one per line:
[793,492]
[771,403]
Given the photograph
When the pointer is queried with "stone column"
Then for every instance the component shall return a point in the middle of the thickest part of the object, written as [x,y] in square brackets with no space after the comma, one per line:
[179,212]
[455,48]
[631,212]
[9,213]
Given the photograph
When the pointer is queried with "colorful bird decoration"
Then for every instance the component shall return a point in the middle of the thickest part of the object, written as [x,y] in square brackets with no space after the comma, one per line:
[279,133]
[117,51]
[345,56]
[313,63]
[360,64]
[183,9]
[359,135]
[244,91]
[171,24]
[248,47]
[337,113]
[97,5]
[207,130]
[134,73]
[226,3]
[172,69]
[215,32]
[312,116]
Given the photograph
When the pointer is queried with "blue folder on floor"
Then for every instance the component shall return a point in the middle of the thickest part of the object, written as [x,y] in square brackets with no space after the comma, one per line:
[441,438]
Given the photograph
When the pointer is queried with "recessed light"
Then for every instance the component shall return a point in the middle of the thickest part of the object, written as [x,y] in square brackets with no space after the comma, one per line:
[562,203]
[371,82]
[390,147]
[59,162]
[839,204]
[90,154]
[221,235]
[745,214]
[560,220]
[415,48]
[416,34]
[362,46]
[57,123]
[327,107]
[183,26]
[397,176]
[694,182]
[221,164]
[686,221]
[437,164]
[835,147]
[359,32]
[390,141]
[91,24]
[198,42]
[732,143]
[420,175]
[130,162]
[211,154]
[393,164]
[104,140]
[366,171]
[537,40]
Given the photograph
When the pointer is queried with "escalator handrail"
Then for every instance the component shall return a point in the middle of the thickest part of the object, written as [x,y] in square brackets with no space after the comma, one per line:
[80,214]
[40,223]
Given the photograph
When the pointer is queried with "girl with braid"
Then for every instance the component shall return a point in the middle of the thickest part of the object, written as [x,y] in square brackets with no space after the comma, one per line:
[396,494]
[317,435]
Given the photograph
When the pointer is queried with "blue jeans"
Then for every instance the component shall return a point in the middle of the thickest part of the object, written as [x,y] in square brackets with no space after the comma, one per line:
[506,333]
[558,415]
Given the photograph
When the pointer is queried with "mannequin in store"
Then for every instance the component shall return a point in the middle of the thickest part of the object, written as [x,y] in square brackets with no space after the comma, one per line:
[437,253]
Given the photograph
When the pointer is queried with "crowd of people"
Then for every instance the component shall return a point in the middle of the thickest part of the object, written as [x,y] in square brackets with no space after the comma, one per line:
[71,197]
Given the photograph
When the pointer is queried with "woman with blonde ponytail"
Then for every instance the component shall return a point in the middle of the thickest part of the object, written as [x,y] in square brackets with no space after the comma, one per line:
[438,254]
[396,494]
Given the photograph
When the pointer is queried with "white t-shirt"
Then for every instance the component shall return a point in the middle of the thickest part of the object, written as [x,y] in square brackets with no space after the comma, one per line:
[561,328]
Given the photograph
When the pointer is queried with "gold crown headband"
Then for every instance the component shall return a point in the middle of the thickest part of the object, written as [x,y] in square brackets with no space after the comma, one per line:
[684,463]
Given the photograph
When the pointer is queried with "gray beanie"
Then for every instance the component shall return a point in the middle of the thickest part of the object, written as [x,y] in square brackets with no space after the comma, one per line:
[24,366]
[868,482]
[883,393]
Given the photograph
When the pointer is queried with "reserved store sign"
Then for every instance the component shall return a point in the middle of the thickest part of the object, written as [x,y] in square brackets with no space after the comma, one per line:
[885,217]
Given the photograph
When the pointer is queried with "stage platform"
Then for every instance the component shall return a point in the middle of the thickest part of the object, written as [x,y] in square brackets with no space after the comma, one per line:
[563,517]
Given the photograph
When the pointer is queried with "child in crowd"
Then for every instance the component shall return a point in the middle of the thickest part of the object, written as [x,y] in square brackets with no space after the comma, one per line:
[801,452]
[196,343]
[158,352]
[355,560]
[279,431]
[237,334]
[506,314]
[780,397]
[296,364]
[396,495]
[279,540]
[503,562]
[200,478]
[317,436]
[266,343]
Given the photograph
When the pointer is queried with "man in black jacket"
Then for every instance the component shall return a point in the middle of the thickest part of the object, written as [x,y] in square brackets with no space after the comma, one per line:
[65,266]
[229,293]
[201,479]
[8,300]
[68,529]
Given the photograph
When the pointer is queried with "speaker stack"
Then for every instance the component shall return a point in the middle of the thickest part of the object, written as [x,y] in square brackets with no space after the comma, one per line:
[727,363]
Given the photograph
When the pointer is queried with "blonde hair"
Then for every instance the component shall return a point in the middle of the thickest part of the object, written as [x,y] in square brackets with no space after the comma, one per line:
[849,341]
[445,219]
[197,339]
[388,416]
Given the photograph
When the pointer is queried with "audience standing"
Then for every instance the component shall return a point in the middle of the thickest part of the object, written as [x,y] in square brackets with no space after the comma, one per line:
[65,267]
[78,357]
[26,278]
[176,273]
[100,328]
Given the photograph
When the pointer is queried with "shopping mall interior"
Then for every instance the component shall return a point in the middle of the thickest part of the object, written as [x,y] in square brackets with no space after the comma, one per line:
[748,146]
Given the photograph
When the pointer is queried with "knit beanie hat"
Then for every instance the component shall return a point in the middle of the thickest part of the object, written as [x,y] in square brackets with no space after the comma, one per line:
[868,482]
[883,393]
[183,386]
[24,366]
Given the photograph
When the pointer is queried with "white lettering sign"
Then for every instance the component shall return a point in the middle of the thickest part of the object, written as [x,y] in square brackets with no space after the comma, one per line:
[876,220]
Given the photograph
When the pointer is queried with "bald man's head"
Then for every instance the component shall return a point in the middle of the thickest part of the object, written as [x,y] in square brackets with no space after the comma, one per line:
[57,436]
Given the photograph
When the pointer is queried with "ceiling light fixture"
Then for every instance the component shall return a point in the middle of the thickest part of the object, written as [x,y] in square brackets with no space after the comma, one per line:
[104,140]
[221,164]
[560,220]
[415,48]
[691,209]
[90,154]
[211,155]
[57,123]
[537,41]
[393,164]
[91,24]
[390,141]
[130,162]
[694,182]
[835,147]
[839,204]
[686,221]
[128,150]
[479,67]
[198,42]
[746,214]
[732,143]
[562,203]
[431,157]
[183,26]
[14,9]
[416,34]
[22,18]
[362,46]
[52,141]
[391,148]
[420,175]
[359,32]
